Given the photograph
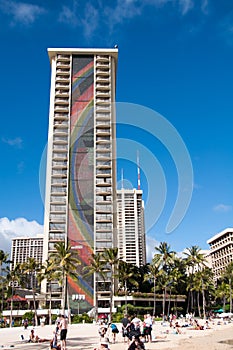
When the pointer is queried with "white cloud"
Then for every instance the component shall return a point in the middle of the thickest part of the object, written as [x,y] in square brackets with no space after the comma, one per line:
[123,10]
[68,16]
[17,142]
[20,167]
[91,20]
[223,208]
[94,14]
[185,6]
[19,227]
[151,243]
[204,6]
[21,12]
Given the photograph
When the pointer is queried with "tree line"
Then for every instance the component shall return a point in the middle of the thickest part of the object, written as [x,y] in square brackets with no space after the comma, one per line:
[167,276]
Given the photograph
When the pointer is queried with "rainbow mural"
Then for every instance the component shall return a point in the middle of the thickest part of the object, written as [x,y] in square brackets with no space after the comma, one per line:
[81,177]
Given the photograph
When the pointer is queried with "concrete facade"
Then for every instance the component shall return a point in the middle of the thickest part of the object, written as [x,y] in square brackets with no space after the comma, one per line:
[131,227]
[221,251]
[80,198]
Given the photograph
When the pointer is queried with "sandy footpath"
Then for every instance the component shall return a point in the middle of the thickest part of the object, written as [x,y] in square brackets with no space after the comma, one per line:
[85,336]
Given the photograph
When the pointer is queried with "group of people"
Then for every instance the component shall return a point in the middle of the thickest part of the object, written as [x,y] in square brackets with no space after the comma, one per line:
[135,327]
[188,323]
[61,331]
[135,332]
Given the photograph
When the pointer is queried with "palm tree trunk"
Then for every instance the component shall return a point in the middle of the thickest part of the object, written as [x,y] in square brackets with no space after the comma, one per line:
[164,301]
[34,305]
[187,310]
[198,305]
[111,298]
[68,305]
[126,309]
[169,302]
[50,306]
[63,293]
[203,298]
[230,295]
[34,299]
[154,300]
[12,293]
[96,297]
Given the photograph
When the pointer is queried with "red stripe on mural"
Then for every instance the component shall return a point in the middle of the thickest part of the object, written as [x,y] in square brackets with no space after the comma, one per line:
[82,71]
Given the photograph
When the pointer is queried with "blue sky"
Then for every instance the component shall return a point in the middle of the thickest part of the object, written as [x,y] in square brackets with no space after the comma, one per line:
[175,58]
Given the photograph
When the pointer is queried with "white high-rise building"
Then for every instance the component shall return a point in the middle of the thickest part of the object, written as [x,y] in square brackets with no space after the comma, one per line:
[23,248]
[80,196]
[221,251]
[131,227]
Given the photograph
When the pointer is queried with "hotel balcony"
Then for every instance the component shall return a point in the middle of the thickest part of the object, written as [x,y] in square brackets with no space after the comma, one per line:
[60,116]
[63,86]
[103,108]
[58,108]
[60,142]
[102,58]
[103,94]
[102,133]
[62,57]
[61,101]
[63,64]
[103,184]
[61,78]
[103,86]
[60,133]
[60,157]
[102,141]
[57,201]
[102,79]
[102,72]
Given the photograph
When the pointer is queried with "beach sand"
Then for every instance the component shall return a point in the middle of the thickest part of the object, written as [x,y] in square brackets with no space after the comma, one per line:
[85,336]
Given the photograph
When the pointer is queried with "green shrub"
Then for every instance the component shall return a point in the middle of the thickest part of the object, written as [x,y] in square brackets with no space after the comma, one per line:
[80,318]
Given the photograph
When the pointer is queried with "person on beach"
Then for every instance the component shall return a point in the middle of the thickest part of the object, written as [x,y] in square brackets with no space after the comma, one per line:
[114,331]
[103,345]
[54,343]
[125,327]
[148,327]
[63,331]
[102,330]
[35,339]
[136,344]
[58,323]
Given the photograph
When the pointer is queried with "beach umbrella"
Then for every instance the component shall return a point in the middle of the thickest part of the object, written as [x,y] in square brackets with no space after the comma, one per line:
[219,310]
[16,298]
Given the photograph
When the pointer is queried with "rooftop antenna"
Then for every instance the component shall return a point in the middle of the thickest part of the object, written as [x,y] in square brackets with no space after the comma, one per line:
[138,166]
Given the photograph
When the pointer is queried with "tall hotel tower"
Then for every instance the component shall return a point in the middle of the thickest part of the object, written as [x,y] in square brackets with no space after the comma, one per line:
[80,196]
[131,226]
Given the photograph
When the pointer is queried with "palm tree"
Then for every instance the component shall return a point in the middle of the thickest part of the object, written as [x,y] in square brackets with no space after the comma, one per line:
[49,273]
[14,277]
[176,276]
[154,271]
[3,260]
[110,257]
[165,255]
[30,268]
[126,275]
[96,268]
[195,260]
[222,292]
[228,274]
[66,261]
